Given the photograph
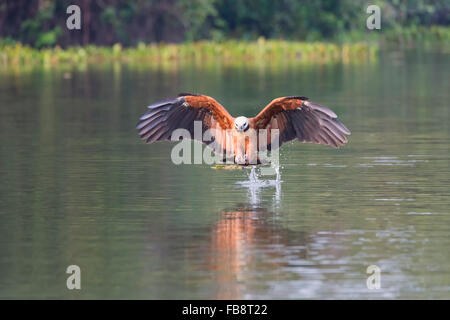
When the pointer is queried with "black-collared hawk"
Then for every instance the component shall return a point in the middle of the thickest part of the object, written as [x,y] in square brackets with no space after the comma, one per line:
[293,117]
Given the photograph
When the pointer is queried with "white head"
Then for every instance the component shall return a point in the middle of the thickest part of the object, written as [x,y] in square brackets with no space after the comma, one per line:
[241,124]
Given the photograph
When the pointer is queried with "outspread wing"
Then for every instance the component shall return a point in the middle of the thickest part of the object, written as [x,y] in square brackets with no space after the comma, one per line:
[165,116]
[296,117]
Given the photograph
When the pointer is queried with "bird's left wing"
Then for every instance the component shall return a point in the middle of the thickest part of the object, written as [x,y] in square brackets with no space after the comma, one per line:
[165,116]
[296,117]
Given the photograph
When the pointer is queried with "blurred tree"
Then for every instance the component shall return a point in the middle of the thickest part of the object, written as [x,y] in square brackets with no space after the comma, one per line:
[105,22]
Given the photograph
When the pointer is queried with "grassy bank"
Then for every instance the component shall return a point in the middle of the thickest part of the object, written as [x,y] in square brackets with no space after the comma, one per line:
[433,36]
[195,52]
[14,54]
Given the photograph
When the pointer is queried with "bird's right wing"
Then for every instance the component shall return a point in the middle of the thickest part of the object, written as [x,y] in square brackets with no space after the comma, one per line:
[165,116]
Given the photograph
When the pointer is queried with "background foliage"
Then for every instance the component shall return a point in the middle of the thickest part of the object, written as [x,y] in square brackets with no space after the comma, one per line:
[41,23]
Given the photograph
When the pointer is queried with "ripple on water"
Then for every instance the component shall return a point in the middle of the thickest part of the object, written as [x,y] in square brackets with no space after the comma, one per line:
[395,199]
[419,213]
[390,161]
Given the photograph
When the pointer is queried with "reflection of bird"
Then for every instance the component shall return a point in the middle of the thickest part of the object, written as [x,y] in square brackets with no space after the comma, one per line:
[294,117]
[232,253]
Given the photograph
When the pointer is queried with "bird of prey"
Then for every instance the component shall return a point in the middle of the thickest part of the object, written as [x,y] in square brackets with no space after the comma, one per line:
[294,117]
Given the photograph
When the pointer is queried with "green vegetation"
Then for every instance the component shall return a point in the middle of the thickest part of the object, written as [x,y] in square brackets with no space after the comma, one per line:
[419,34]
[43,23]
[194,52]
[251,31]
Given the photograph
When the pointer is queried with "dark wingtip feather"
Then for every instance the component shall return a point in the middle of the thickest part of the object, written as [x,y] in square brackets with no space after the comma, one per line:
[163,102]
[343,128]
[145,116]
[297,97]
[183,94]
[319,107]
[348,132]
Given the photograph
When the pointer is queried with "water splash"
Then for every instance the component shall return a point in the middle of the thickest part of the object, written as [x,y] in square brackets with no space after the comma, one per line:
[277,171]
[253,176]
[255,184]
